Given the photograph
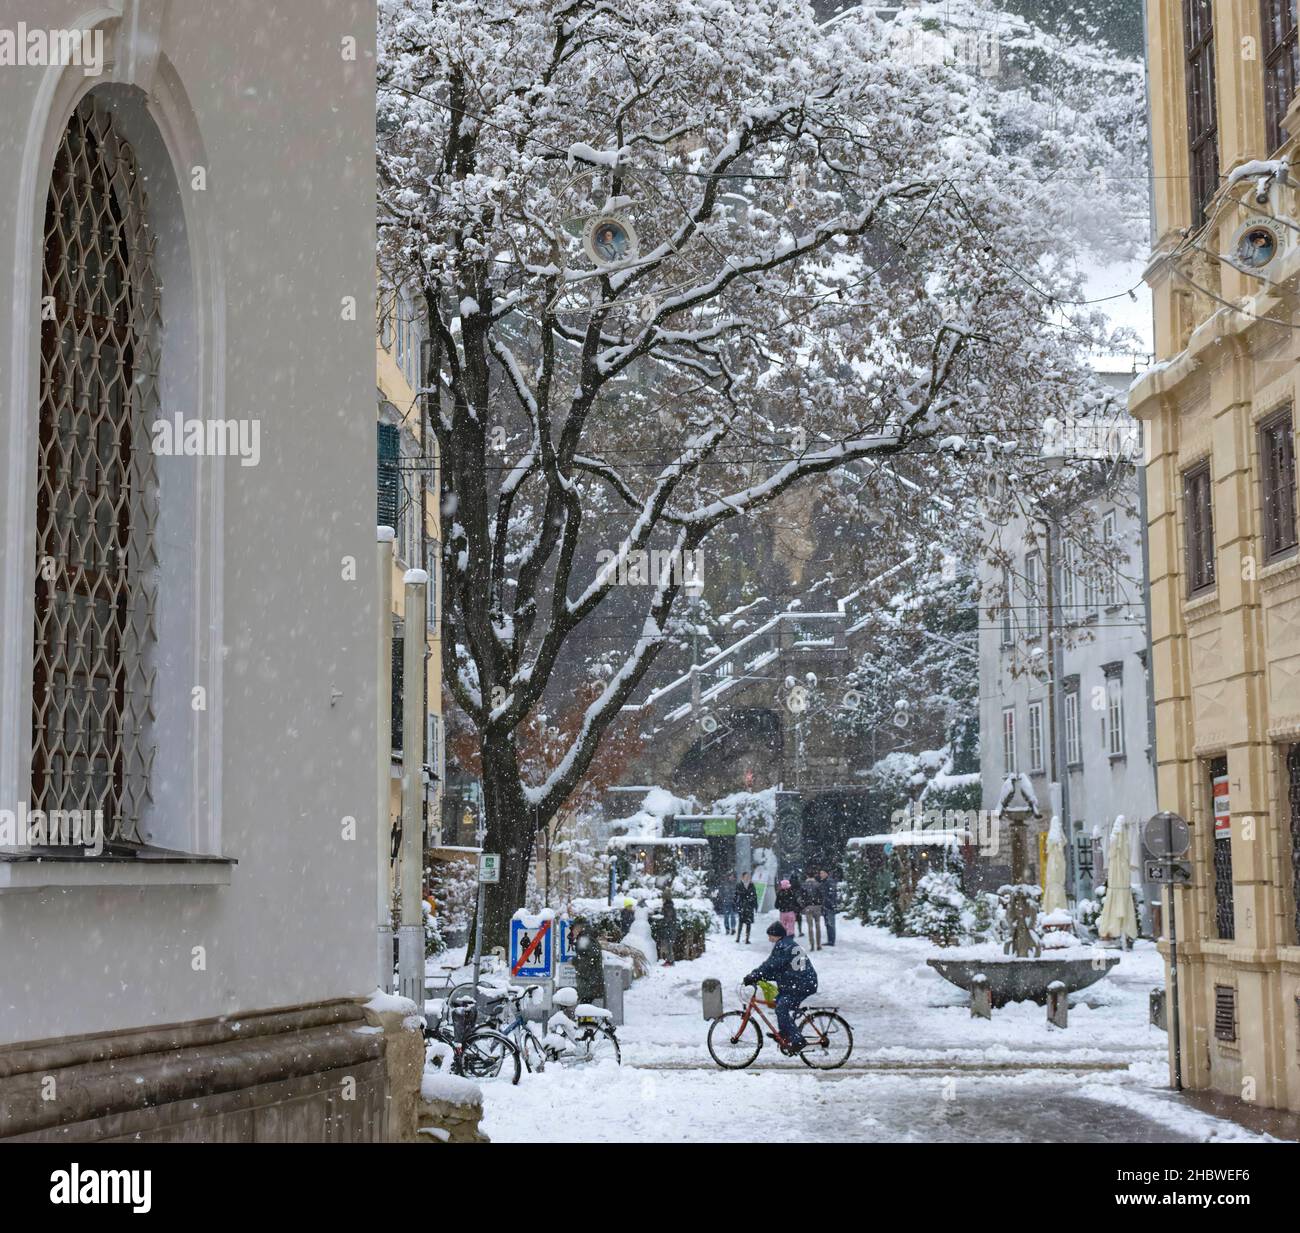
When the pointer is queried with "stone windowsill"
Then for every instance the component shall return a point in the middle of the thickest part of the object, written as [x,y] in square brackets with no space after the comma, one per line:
[1280,571]
[1200,606]
[27,870]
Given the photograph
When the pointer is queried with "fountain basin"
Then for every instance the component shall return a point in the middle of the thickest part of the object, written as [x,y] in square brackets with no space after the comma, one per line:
[1020,980]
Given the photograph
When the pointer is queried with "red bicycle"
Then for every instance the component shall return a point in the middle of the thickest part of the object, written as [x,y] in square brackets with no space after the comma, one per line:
[735,1038]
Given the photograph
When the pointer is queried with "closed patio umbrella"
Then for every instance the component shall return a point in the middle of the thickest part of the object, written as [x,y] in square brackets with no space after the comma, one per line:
[1118,919]
[1054,878]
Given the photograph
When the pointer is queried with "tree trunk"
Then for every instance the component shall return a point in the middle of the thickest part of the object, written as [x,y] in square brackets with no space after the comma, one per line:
[510,832]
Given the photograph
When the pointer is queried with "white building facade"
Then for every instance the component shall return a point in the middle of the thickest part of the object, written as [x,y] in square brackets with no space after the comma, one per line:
[1101,709]
[186,238]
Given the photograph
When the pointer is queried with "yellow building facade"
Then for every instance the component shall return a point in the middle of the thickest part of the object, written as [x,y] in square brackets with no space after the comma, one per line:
[407,483]
[1219,421]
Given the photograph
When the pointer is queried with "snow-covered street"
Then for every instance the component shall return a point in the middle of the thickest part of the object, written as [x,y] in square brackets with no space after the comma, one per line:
[922,1070]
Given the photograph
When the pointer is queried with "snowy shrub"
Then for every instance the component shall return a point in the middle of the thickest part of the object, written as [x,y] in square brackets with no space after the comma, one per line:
[454,886]
[939,910]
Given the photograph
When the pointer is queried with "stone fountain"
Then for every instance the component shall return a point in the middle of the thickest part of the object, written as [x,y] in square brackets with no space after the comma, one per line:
[1021,972]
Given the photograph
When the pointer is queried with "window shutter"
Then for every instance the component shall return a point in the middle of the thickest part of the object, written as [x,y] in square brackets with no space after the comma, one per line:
[398,661]
[389,478]
[1225,1012]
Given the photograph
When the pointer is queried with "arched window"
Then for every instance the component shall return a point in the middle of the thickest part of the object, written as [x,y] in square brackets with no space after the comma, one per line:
[96,490]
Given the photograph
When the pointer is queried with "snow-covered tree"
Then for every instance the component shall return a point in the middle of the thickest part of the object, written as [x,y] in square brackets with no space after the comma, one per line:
[834,261]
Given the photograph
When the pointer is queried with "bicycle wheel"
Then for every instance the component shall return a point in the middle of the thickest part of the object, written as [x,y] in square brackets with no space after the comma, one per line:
[489,1055]
[599,1044]
[730,1045]
[829,1040]
[534,1053]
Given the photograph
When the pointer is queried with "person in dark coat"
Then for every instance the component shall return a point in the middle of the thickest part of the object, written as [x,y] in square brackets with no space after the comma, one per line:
[668,915]
[727,901]
[746,905]
[811,900]
[627,916]
[588,963]
[830,903]
[795,978]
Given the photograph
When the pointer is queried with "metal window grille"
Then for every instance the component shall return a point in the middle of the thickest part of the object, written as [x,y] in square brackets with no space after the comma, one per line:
[1281,64]
[96,485]
[1224,917]
[1225,1012]
[1293,798]
[1202,108]
[1277,475]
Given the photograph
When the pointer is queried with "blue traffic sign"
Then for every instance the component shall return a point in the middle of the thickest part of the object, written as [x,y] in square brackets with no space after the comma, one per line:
[564,949]
[532,955]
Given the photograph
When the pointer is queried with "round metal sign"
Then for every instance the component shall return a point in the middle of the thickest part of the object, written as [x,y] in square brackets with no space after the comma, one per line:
[609,239]
[1166,835]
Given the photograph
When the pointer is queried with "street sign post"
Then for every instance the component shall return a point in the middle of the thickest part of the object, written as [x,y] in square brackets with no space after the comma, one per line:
[1167,871]
[489,868]
[1167,837]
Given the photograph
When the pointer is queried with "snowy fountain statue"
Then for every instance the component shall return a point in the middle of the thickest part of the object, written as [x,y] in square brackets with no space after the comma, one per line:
[1022,972]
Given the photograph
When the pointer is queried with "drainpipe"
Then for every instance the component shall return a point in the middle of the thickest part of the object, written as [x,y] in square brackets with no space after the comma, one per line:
[410,937]
[384,754]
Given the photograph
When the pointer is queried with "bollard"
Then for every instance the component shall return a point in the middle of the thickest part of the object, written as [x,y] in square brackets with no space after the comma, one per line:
[711,998]
[1158,1008]
[1058,1005]
[981,1000]
[614,995]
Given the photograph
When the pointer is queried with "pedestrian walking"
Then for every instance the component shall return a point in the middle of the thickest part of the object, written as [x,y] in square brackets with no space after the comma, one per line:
[668,917]
[727,901]
[787,904]
[746,905]
[830,903]
[812,910]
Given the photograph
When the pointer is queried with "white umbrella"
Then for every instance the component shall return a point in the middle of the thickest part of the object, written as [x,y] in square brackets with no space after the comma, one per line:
[1054,879]
[1118,919]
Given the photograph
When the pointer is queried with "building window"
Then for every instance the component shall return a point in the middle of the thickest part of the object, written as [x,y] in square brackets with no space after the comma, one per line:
[434,758]
[1113,724]
[433,567]
[1277,475]
[1281,62]
[1069,579]
[1293,801]
[1198,515]
[1008,631]
[1034,595]
[1036,741]
[96,487]
[1072,755]
[1202,114]
[1221,816]
[399,659]
[389,481]
[1110,574]
[1009,741]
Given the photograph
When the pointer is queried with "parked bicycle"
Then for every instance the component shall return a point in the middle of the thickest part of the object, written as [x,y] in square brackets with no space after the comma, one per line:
[504,1011]
[574,1033]
[735,1038]
[476,1051]
[580,1033]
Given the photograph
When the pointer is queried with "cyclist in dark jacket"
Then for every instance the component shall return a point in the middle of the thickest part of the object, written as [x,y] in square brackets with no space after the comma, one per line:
[795,979]
[746,905]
